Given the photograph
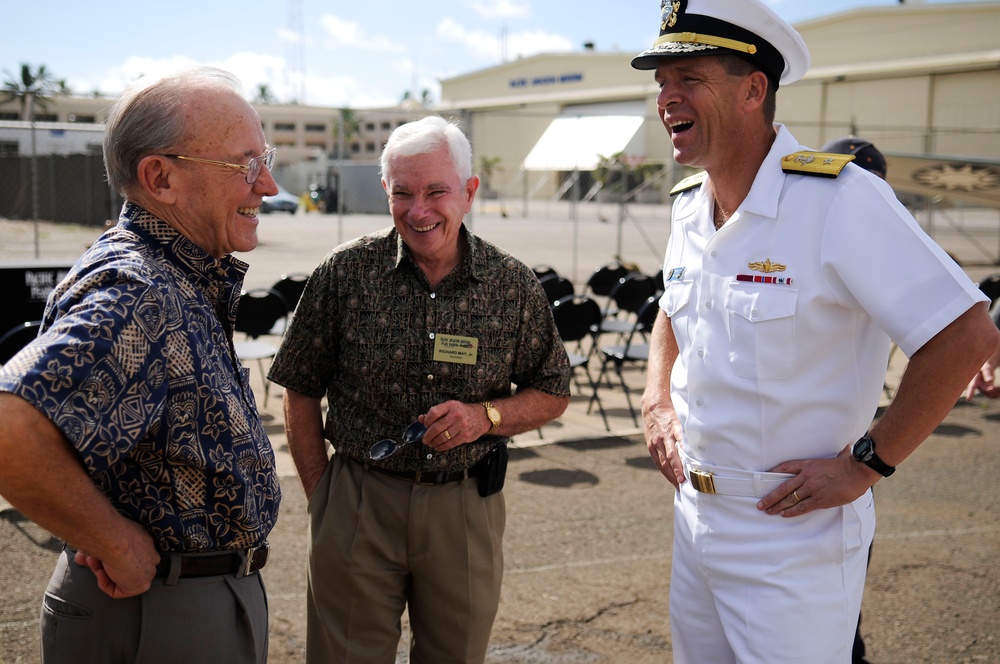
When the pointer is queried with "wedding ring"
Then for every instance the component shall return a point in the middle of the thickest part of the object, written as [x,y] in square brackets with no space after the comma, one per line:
[447,436]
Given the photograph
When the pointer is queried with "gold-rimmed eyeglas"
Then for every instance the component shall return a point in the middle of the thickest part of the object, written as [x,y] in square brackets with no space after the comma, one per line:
[252,169]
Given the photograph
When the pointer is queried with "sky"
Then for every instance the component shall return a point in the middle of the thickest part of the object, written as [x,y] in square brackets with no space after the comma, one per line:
[360,54]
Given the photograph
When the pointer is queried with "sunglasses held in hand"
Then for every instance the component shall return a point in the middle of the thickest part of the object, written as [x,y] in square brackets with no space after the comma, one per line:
[385,448]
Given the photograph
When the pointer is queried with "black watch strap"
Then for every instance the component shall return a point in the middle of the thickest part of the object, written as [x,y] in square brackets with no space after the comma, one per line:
[864,451]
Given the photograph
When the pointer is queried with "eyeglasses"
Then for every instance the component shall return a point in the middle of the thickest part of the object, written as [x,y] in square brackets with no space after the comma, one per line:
[252,169]
[387,447]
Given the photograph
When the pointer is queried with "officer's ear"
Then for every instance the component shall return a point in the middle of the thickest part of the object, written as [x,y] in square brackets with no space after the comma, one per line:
[756,85]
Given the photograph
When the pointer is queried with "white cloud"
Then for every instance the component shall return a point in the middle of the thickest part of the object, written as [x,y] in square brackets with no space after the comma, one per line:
[487,46]
[350,33]
[501,9]
[478,42]
[538,41]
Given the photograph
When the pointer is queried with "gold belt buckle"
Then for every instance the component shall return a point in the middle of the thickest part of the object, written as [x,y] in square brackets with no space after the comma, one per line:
[702,481]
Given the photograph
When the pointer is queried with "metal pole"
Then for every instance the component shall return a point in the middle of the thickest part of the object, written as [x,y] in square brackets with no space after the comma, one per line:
[34,173]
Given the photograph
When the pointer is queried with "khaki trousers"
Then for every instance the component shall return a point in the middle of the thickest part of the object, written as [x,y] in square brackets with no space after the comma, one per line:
[379,544]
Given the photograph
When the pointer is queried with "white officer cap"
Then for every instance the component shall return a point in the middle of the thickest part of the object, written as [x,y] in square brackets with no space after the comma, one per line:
[746,27]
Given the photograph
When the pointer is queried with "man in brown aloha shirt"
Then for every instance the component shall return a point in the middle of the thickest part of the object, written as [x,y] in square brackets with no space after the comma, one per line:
[424,323]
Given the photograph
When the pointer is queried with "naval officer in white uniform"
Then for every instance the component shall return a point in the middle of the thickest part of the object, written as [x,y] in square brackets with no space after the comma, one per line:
[787,273]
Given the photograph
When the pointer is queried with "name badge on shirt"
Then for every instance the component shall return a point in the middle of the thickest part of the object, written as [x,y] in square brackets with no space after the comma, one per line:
[455,349]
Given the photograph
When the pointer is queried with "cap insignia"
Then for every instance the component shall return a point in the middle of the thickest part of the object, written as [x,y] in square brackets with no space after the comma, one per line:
[766,266]
[670,10]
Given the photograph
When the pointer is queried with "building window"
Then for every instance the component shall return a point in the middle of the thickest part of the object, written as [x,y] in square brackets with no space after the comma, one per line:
[316,128]
[6,115]
[284,126]
[369,126]
[386,126]
[46,117]
[84,119]
[355,147]
[9,149]
[370,147]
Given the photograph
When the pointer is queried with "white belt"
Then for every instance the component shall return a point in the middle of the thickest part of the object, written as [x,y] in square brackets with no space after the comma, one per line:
[731,481]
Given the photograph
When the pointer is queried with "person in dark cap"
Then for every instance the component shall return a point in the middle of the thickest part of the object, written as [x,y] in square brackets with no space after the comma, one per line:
[866,155]
[788,272]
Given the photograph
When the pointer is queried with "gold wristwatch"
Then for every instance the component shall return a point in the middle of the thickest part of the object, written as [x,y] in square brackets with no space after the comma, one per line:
[493,414]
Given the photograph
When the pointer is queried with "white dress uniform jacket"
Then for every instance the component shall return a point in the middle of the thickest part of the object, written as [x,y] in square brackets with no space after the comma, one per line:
[793,368]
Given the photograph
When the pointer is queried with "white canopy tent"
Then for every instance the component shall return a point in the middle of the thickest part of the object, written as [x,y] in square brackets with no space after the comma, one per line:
[579,136]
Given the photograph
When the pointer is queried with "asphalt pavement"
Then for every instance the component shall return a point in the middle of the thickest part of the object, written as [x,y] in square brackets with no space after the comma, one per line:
[589,520]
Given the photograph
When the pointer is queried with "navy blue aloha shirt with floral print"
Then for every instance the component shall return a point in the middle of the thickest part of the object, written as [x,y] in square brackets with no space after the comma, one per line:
[135,365]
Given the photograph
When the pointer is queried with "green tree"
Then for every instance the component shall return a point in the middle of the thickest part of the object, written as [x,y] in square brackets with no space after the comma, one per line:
[264,95]
[346,127]
[32,89]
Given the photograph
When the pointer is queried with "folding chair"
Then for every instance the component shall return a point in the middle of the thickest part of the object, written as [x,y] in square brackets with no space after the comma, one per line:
[635,350]
[260,310]
[574,316]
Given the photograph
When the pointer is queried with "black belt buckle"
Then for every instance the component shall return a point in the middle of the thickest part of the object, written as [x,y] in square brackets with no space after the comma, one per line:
[253,559]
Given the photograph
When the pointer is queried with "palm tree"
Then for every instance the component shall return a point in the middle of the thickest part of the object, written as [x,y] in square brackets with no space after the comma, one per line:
[33,88]
[346,127]
[264,95]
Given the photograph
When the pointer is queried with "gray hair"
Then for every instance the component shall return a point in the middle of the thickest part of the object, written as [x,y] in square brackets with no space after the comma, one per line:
[427,135]
[147,119]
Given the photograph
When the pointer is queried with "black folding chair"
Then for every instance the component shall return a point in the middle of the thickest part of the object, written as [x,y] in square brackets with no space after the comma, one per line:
[556,287]
[290,287]
[574,316]
[16,338]
[260,311]
[635,351]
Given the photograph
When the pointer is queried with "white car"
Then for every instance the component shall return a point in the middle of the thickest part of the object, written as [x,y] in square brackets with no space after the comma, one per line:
[280,202]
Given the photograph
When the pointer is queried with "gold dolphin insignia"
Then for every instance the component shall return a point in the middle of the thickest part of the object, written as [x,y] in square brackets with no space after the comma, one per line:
[766,266]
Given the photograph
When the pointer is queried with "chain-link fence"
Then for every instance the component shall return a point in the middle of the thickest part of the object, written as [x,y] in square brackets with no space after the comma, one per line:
[618,209]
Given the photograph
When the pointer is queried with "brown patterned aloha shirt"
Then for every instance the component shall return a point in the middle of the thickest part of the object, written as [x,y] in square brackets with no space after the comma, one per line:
[365,331]
[135,365]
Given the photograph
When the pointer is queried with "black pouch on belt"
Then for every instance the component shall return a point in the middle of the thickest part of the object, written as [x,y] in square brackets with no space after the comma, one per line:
[491,470]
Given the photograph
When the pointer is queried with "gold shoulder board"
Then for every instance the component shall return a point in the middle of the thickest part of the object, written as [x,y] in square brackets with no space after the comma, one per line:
[689,182]
[822,164]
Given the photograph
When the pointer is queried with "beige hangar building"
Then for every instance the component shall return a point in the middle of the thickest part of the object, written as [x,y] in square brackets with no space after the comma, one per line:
[915,79]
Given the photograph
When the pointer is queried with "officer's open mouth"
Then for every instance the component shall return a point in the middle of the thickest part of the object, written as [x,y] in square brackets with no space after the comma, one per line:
[681,126]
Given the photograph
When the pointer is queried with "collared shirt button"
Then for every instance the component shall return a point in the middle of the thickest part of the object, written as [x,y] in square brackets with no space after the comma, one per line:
[708,305]
[699,403]
[431,335]
[430,377]
[433,295]
[715,254]
[701,352]
[429,457]
[753,313]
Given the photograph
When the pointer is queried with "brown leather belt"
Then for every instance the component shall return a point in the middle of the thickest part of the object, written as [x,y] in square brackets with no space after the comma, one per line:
[238,562]
[428,476]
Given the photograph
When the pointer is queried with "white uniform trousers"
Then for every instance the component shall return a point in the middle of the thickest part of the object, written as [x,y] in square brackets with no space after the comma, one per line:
[751,588]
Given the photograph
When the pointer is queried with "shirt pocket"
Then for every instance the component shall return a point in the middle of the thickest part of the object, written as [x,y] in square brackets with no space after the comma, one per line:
[761,331]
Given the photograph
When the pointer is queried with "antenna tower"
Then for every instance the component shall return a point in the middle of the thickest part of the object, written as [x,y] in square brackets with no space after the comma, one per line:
[295,72]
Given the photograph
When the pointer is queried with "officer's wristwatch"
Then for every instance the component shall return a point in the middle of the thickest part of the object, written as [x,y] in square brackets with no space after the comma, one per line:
[864,451]
[493,414]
